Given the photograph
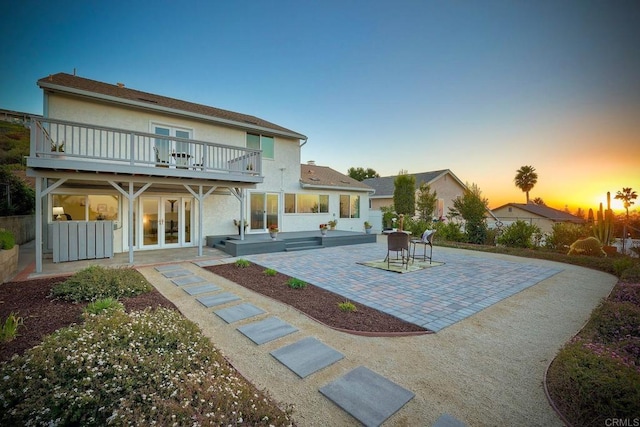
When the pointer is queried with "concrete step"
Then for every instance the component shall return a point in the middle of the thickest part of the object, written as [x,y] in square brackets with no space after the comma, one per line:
[303,248]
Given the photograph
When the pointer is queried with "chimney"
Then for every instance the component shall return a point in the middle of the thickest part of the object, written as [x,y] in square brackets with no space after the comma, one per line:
[311,162]
[120,84]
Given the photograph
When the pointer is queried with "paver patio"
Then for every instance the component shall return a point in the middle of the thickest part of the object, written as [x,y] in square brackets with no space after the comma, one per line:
[433,298]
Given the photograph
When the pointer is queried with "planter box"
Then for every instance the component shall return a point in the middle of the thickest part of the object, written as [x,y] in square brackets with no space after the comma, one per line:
[9,263]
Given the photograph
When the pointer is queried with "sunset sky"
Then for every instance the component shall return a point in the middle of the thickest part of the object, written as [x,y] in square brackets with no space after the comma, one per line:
[478,87]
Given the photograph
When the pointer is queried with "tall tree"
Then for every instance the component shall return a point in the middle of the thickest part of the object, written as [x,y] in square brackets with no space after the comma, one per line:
[360,174]
[627,195]
[426,202]
[404,194]
[526,178]
[538,201]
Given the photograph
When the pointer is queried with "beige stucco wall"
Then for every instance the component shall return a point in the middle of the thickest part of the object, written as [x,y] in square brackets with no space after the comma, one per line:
[91,112]
[508,217]
[446,187]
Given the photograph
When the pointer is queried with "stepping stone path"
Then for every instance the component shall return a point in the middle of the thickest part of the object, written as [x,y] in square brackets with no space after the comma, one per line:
[364,394]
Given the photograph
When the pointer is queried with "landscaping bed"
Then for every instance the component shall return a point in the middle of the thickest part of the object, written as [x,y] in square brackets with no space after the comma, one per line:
[318,303]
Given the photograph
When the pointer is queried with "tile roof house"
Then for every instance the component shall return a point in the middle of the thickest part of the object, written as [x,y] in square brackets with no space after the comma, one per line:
[446,185]
[146,171]
[542,216]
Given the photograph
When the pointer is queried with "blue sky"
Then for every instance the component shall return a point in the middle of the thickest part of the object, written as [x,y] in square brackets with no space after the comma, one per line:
[478,87]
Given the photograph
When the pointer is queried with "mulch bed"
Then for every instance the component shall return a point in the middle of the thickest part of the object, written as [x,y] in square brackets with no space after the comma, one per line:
[42,315]
[317,303]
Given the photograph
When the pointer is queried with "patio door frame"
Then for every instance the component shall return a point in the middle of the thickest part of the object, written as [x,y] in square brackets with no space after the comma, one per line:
[264,210]
[164,217]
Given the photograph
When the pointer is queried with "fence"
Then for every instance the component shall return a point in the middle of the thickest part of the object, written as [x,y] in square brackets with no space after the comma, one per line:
[23,227]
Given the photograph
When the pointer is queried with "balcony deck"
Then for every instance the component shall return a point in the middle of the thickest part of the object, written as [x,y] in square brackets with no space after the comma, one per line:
[62,146]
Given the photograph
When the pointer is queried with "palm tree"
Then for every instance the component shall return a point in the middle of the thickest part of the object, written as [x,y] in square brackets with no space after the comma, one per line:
[627,195]
[526,178]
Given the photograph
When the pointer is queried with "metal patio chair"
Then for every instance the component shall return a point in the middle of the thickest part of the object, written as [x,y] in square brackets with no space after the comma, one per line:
[425,240]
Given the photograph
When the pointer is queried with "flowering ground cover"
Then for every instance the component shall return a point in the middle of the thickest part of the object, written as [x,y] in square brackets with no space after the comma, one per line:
[596,376]
[146,365]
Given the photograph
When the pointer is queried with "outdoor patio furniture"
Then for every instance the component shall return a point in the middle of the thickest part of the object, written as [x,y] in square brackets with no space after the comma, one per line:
[398,242]
[425,240]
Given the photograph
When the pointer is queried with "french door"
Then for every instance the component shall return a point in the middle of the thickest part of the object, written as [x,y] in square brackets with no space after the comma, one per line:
[166,221]
[265,208]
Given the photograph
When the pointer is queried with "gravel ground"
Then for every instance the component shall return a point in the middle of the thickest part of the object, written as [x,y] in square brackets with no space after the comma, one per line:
[486,370]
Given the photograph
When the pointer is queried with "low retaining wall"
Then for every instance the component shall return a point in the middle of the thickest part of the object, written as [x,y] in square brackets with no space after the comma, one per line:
[9,263]
[23,227]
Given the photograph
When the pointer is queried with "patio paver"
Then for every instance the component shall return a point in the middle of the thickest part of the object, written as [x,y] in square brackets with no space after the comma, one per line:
[433,298]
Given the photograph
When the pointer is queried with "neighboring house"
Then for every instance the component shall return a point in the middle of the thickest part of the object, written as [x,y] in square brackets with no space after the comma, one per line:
[446,185]
[165,173]
[542,216]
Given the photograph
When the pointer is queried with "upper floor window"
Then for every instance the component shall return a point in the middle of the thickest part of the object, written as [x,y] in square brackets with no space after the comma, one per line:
[261,142]
[349,206]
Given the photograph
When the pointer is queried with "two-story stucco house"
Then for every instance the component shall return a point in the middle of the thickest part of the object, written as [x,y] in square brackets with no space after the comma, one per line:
[138,171]
[446,185]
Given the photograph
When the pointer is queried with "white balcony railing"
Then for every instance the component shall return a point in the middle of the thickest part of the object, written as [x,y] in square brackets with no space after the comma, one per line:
[69,141]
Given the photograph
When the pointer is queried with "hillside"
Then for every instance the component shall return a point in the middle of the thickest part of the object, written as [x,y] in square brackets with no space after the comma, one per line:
[14,144]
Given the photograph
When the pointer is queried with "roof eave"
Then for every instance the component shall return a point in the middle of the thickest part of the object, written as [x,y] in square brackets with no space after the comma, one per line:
[331,187]
[145,105]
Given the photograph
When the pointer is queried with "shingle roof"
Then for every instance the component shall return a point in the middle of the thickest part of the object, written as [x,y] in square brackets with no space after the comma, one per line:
[73,84]
[545,212]
[314,176]
[385,186]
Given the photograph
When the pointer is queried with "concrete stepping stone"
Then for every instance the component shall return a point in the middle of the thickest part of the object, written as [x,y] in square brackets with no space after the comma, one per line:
[177,273]
[168,267]
[218,299]
[266,330]
[187,280]
[367,396]
[238,312]
[208,262]
[201,289]
[446,420]
[307,356]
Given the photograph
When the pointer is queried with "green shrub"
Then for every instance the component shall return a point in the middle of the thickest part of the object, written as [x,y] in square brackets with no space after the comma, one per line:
[149,367]
[294,283]
[97,282]
[518,235]
[563,234]
[449,232]
[631,274]
[590,388]
[242,263]
[10,327]
[270,272]
[613,321]
[416,227]
[347,306]
[7,241]
[589,246]
[103,306]
[621,264]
